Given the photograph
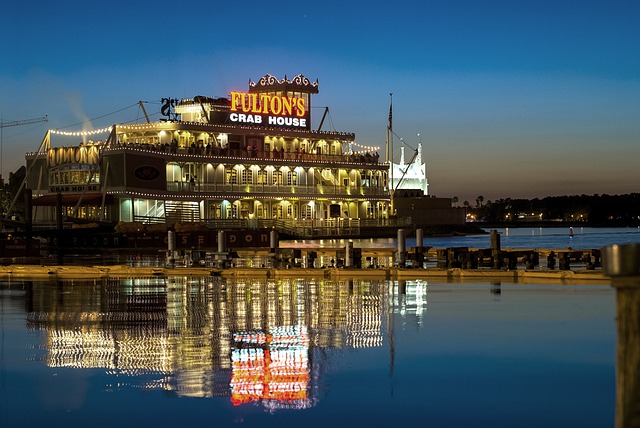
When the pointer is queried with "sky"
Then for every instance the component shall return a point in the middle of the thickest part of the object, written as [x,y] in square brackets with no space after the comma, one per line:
[509,98]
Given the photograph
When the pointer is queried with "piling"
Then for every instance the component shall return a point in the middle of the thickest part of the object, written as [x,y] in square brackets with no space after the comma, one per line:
[171,248]
[419,252]
[348,254]
[565,261]
[494,243]
[551,260]
[402,248]
[222,248]
[622,264]
[419,238]
[59,229]
[273,241]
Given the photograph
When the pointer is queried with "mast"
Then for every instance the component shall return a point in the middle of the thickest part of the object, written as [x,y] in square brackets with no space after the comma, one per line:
[390,150]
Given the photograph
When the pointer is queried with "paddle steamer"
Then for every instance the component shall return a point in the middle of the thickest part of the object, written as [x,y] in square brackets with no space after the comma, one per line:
[248,160]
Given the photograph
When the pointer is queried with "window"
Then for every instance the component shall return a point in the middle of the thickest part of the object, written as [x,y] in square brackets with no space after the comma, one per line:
[369,210]
[277,177]
[247,176]
[292,178]
[232,176]
[262,176]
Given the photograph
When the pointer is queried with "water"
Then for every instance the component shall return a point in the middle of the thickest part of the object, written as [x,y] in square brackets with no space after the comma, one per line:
[584,238]
[207,351]
[246,352]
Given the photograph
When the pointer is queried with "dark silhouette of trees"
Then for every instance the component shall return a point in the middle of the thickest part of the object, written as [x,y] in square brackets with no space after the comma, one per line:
[593,209]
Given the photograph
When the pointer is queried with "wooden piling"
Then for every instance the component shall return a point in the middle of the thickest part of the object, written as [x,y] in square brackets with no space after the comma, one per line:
[622,263]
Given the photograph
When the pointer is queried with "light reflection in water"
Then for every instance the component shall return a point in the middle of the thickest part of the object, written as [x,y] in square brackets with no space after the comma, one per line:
[254,341]
[272,367]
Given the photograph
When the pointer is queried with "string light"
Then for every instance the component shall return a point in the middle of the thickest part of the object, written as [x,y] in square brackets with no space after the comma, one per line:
[344,135]
[367,148]
[80,133]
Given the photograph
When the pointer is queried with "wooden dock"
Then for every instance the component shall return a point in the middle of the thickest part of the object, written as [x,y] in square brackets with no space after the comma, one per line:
[22,272]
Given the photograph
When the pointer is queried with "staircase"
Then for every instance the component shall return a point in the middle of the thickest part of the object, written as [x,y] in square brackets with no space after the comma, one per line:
[183,212]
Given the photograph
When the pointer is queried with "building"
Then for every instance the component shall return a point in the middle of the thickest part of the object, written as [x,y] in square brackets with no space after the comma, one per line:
[412,175]
[424,210]
[411,198]
[250,159]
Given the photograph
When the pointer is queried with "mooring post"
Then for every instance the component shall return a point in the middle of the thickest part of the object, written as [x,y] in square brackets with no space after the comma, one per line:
[274,243]
[622,264]
[348,254]
[494,242]
[402,248]
[59,236]
[419,248]
[28,219]
[171,248]
[222,248]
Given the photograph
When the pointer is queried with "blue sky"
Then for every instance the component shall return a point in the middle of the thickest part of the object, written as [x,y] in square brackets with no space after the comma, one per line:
[509,98]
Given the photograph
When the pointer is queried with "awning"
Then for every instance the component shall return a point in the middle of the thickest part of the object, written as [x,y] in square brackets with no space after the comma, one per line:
[68,200]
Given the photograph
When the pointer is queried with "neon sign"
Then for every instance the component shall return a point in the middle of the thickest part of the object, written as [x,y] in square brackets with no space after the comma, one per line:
[68,155]
[268,109]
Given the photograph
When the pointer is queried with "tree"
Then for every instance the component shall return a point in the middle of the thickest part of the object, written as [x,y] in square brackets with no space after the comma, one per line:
[479,201]
[454,200]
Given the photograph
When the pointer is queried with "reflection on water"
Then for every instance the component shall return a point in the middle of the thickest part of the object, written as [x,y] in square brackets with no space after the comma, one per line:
[271,367]
[253,340]
[312,353]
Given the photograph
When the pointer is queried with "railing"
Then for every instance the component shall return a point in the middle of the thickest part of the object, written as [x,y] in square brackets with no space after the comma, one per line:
[310,228]
[386,222]
[304,228]
[225,153]
[318,189]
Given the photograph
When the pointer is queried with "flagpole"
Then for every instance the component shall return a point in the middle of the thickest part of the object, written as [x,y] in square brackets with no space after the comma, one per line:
[390,150]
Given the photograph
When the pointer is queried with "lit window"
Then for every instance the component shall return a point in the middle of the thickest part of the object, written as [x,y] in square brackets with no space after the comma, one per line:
[292,178]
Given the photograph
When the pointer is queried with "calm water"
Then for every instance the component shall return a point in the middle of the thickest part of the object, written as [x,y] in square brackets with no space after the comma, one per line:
[584,238]
[163,352]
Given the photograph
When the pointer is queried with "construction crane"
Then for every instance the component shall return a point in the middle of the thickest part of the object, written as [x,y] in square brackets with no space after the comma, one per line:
[23,122]
[16,123]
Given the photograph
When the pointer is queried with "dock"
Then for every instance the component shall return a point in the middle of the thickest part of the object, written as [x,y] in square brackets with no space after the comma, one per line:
[22,272]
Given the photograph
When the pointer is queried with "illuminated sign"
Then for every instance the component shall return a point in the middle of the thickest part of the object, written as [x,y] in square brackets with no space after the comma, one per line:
[268,109]
[66,155]
[74,188]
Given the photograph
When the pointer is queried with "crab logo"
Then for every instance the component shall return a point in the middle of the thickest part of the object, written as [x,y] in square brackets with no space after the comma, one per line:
[146,172]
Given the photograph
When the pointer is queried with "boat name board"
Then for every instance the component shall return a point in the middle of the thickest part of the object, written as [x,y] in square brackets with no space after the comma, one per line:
[268,109]
[68,155]
[74,188]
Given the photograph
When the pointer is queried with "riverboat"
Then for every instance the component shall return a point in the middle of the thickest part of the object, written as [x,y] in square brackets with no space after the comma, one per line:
[249,160]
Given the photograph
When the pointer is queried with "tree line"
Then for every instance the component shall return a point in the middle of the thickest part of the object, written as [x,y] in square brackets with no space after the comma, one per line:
[593,209]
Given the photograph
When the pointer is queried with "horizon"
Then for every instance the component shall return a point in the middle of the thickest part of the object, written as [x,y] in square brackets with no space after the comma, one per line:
[527,100]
